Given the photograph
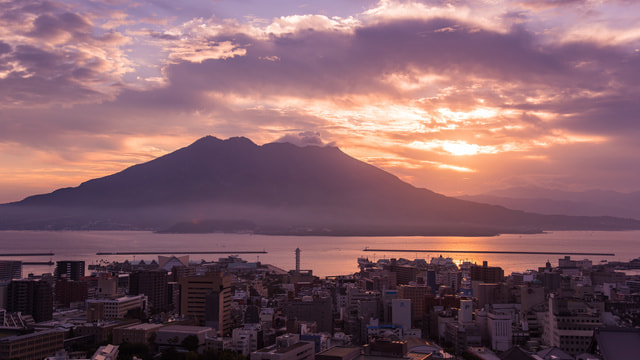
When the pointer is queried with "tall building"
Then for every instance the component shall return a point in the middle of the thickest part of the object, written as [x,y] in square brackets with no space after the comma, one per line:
[401,313]
[9,270]
[31,297]
[213,289]
[68,292]
[153,284]
[405,274]
[500,331]
[487,274]
[418,296]
[570,324]
[71,270]
[312,309]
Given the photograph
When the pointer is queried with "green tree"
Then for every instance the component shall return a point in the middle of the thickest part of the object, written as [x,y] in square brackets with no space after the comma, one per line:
[170,353]
[191,355]
[128,350]
[191,343]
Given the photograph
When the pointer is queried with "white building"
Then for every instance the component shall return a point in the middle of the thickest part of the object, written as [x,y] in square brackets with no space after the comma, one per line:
[107,352]
[465,314]
[401,313]
[245,340]
[500,331]
[118,308]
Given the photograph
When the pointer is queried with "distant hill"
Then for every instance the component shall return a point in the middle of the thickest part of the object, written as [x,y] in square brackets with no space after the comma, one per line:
[278,188]
[546,201]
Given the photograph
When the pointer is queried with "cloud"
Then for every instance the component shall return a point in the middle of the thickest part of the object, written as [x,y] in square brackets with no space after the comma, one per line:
[302,139]
[4,48]
[60,27]
[53,56]
[472,86]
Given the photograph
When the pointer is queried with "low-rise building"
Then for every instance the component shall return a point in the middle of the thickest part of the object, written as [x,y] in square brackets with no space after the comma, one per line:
[139,333]
[107,352]
[116,308]
[297,351]
[173,335]
[34,346]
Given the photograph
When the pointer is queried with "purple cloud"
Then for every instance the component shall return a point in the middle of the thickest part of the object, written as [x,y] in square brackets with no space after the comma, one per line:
[372,84]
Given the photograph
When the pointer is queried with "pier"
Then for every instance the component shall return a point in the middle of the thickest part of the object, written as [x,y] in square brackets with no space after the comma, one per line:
[493,252]
[180,252]
[29,254]
[31,263]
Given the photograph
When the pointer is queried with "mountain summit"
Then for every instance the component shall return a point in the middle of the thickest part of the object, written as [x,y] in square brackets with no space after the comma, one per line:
[277,187]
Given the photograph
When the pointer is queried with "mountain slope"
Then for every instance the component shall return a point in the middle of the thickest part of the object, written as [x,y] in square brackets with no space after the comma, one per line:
[546,201]
[278,187]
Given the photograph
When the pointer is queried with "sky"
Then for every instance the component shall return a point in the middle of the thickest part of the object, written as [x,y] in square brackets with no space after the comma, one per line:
[460,96]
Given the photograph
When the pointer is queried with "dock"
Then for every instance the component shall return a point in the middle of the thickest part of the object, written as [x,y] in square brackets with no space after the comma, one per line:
[492,252]
[49,263]
[28,254]
[179,252]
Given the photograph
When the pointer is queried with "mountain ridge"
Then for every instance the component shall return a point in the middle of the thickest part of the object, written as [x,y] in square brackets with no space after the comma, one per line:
[277,186]
[577,203]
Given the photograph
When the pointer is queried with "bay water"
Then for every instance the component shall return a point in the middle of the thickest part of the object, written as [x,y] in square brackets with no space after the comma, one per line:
[325,255]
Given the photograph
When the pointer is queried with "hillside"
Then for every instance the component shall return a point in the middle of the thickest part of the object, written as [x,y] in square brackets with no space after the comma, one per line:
[279,188]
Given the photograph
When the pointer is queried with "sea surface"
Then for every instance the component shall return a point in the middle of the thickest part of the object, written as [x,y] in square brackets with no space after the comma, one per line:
[324,255]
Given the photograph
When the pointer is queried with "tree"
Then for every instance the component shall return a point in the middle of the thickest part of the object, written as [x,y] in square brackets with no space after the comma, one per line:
[128,350]
[191,343]
[170,353]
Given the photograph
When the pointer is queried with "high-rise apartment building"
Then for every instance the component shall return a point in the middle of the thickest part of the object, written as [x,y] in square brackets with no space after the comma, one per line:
[211,290]
[487,274]
[418,296]
[153,284]
[314,309]
[71,270]
[9,270]
[31,297]
[68,292]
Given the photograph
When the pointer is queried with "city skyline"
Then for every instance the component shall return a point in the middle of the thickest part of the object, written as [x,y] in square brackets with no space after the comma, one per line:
[459,97]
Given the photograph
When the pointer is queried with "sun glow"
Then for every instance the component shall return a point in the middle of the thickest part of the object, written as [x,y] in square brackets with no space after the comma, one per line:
[457,147]
[460,148]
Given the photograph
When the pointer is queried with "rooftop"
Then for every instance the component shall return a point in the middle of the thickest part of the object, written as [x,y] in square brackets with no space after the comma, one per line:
[144,326]
[618,343]
[186,329]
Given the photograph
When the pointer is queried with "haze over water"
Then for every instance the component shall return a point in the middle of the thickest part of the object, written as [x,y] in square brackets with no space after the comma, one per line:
[324,255]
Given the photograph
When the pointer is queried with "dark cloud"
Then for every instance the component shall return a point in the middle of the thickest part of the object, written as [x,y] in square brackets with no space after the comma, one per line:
[39,61]
[162,36]
[4,48]
[547,90]
[16,11]
[56,57]
[49,26]
[48,77]
[333,64]
[541,4]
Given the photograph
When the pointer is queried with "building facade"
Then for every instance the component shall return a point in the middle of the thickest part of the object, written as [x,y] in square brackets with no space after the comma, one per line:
[198,290]
[71,270]
[31,297]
